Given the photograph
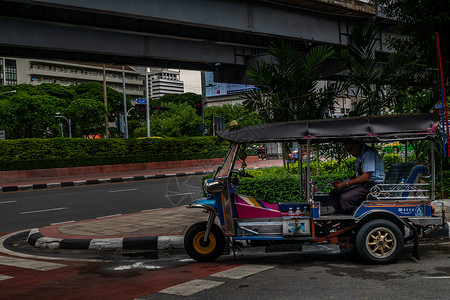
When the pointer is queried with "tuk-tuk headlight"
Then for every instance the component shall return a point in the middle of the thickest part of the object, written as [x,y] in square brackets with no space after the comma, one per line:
[215,187]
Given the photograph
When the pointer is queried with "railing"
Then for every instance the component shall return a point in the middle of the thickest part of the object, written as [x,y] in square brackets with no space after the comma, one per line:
[401,191]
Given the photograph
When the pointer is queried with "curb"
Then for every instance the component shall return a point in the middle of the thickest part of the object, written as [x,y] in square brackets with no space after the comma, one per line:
[16,188]
[151,243]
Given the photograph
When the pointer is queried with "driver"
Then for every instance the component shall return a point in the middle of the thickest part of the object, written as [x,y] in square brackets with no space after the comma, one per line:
[347,195]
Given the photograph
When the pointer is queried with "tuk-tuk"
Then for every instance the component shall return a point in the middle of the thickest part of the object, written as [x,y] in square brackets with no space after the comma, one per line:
[394,212]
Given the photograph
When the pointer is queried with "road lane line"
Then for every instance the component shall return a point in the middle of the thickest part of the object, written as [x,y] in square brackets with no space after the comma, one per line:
[4,277]
[109,216]
[147,210]
[42,210]
[191,287]
[179,194]
[62,222]
[11,201]
[29,264]
[118,191]
[437,277]
[242,271]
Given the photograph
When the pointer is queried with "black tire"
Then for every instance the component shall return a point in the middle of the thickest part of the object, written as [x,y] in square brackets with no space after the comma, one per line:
[395,150]
[379,242]
[193,242]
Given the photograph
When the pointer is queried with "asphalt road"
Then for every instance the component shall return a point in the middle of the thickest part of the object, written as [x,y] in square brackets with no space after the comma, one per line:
[251,275]
[37,208]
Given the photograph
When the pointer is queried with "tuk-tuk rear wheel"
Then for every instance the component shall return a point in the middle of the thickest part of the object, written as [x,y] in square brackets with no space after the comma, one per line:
[197,249]
[379,241]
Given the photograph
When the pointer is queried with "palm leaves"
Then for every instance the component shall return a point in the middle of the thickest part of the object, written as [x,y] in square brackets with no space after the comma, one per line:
[287,87]
[375,84]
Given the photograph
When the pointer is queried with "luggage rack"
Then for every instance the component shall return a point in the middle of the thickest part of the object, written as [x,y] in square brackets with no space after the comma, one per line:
[400,191]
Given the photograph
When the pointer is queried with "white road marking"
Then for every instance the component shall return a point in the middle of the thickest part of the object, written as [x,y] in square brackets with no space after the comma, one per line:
[109,216]
[147,210]
[242,271]
[42,210]
[118,191]
[62,222]
[4,277]
[29,264]
[179,194]
[191,287]
[137,265]
[11,201]
[438,277]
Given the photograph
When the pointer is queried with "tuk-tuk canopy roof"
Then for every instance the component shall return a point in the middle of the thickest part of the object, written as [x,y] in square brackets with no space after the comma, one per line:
[369,129]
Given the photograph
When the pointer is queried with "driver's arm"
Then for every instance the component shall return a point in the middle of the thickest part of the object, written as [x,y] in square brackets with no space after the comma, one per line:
[358,180]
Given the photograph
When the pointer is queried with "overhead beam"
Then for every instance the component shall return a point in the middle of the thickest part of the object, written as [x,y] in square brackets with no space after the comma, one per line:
[59,38]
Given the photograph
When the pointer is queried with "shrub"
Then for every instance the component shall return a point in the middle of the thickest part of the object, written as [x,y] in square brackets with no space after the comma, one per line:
[442,183]
[64,152]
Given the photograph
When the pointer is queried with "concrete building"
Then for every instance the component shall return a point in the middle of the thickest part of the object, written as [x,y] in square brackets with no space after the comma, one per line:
[163,82]
[33,71]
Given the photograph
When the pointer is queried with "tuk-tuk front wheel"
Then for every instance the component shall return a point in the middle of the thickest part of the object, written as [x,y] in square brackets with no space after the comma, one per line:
[197,249]
[379,241]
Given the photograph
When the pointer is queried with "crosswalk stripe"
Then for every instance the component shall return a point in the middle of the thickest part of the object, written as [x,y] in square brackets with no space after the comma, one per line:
[242,271]
[4,277]
[29,264]
[191,287]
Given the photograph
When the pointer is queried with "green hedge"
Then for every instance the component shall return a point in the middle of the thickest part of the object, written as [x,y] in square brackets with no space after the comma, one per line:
[64,152]
[273,184]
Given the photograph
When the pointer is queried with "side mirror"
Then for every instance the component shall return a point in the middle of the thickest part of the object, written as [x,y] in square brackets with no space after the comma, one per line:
[215,187]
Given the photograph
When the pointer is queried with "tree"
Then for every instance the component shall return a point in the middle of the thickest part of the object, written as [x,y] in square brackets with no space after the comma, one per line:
[417,21]
[287,89]
[94,91]
[31,111]
[374,83]
[232,112]
[179,120]
[189,98]
[87,116]
[29,116]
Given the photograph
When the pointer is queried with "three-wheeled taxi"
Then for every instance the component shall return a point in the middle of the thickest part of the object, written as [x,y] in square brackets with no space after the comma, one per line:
[396,211]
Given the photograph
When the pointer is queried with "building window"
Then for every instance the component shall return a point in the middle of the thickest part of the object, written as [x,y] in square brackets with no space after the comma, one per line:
[10,72]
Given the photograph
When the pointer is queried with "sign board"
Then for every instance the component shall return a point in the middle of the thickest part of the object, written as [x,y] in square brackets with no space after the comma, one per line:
[141,101]
[2,135]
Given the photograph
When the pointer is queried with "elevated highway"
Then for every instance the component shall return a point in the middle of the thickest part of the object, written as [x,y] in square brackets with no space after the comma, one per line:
[215,35]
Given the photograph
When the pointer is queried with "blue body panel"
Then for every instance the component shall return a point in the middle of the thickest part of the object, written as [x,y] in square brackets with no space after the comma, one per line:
[206,202]
[396,208]
[215,201]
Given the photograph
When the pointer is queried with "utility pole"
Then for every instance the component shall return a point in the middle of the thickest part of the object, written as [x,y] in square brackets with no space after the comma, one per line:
[148,102]
[105,101]
[203,79]
[125,104]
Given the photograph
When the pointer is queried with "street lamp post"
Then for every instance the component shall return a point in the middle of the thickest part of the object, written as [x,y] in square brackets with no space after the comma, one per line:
[58,115]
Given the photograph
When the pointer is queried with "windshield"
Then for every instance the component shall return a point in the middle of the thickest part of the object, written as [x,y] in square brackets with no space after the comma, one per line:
[225,169]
